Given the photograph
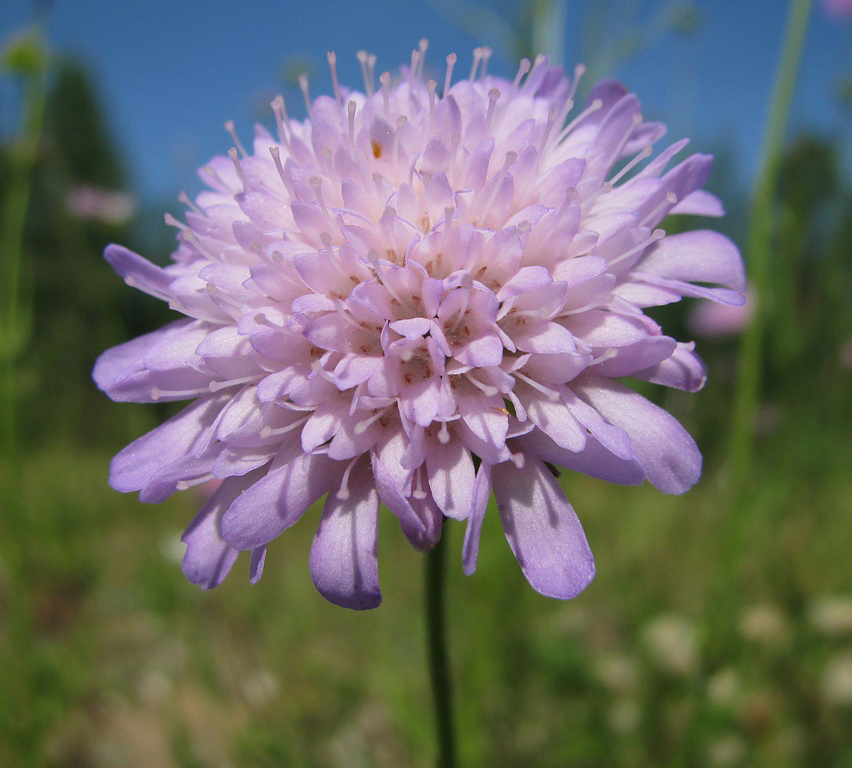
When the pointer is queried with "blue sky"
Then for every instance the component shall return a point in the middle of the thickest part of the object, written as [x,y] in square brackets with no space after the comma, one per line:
[170,73]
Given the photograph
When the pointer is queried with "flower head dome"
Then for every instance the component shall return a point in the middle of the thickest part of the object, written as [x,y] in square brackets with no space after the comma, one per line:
[417,296]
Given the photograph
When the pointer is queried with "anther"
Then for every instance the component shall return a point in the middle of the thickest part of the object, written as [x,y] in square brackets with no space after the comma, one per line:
[493,95]
[363,57]
[451,62]
[303,85]
[523,68]
[183,198]
[332,65]
[423,46]
[232,153]
[351,107]
[384,79]
[276,158]
[229,127]
[281,118]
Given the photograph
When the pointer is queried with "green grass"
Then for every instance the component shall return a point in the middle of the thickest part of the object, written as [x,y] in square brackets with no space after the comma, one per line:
[129,665]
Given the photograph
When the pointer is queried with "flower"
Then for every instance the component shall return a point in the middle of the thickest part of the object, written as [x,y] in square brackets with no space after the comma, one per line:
[838,9]
[711,319]
[101,205]
[418,300]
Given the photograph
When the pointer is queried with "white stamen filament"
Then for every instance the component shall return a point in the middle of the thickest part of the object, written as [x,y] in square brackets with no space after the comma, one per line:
[448,78]
[493,96]
[523,68]
[276,158]
[157,393]
[362,426]
[384,79]
[489,390]
[363,57]
[182,485]
[215,386]
[303,85]
[229,127]
[343,492]
[660,210]
[351,107]
[281,119]
[418,492]
[183,198]
[657,234]
[593,107]
[646,152]
[232,153]
[332,65]
[550,394]
[443,434]
[268,431]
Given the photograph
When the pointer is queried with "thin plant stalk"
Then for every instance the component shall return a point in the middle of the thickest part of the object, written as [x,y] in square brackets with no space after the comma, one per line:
[759,248]
[439,668]
[15,322]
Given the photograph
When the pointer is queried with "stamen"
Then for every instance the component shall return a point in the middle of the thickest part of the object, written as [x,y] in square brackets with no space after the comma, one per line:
[657,234]
[593,107]
[423,45]
[362,426]
[229,127]
[451,62]
[343,492]
[182,485]
[211,172]
[523,68]
[632,164]
[548,127]
[413,68]
[303,84]
[183,198]
[157,393]
[232,153]
[488,390]
[281,119]
[493,95]
[671,199]
[215,386]
[276,158]
[518,459]
[316,183]
[332,65]
[384,79]
[431,86]
[352,106]
[171,221]
[443,434]
[268,431]
[362,57]
[418,492]
[486,55]
[551,394]
[477,57]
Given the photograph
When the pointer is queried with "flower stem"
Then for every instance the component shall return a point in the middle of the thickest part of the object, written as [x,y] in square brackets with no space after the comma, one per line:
[759,245]
[438,662]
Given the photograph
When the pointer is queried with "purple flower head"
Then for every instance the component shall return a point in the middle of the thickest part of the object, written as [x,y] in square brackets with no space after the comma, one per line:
[417,300]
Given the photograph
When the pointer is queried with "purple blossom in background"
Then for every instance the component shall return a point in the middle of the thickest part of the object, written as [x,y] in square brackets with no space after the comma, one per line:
[838,9]
[418,300]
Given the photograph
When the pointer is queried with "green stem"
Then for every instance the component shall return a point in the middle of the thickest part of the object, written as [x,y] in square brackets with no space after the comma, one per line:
[758,248]
[438,662]
[548,27]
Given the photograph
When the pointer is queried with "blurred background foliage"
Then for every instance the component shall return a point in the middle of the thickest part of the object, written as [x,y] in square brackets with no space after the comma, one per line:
[715,635]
